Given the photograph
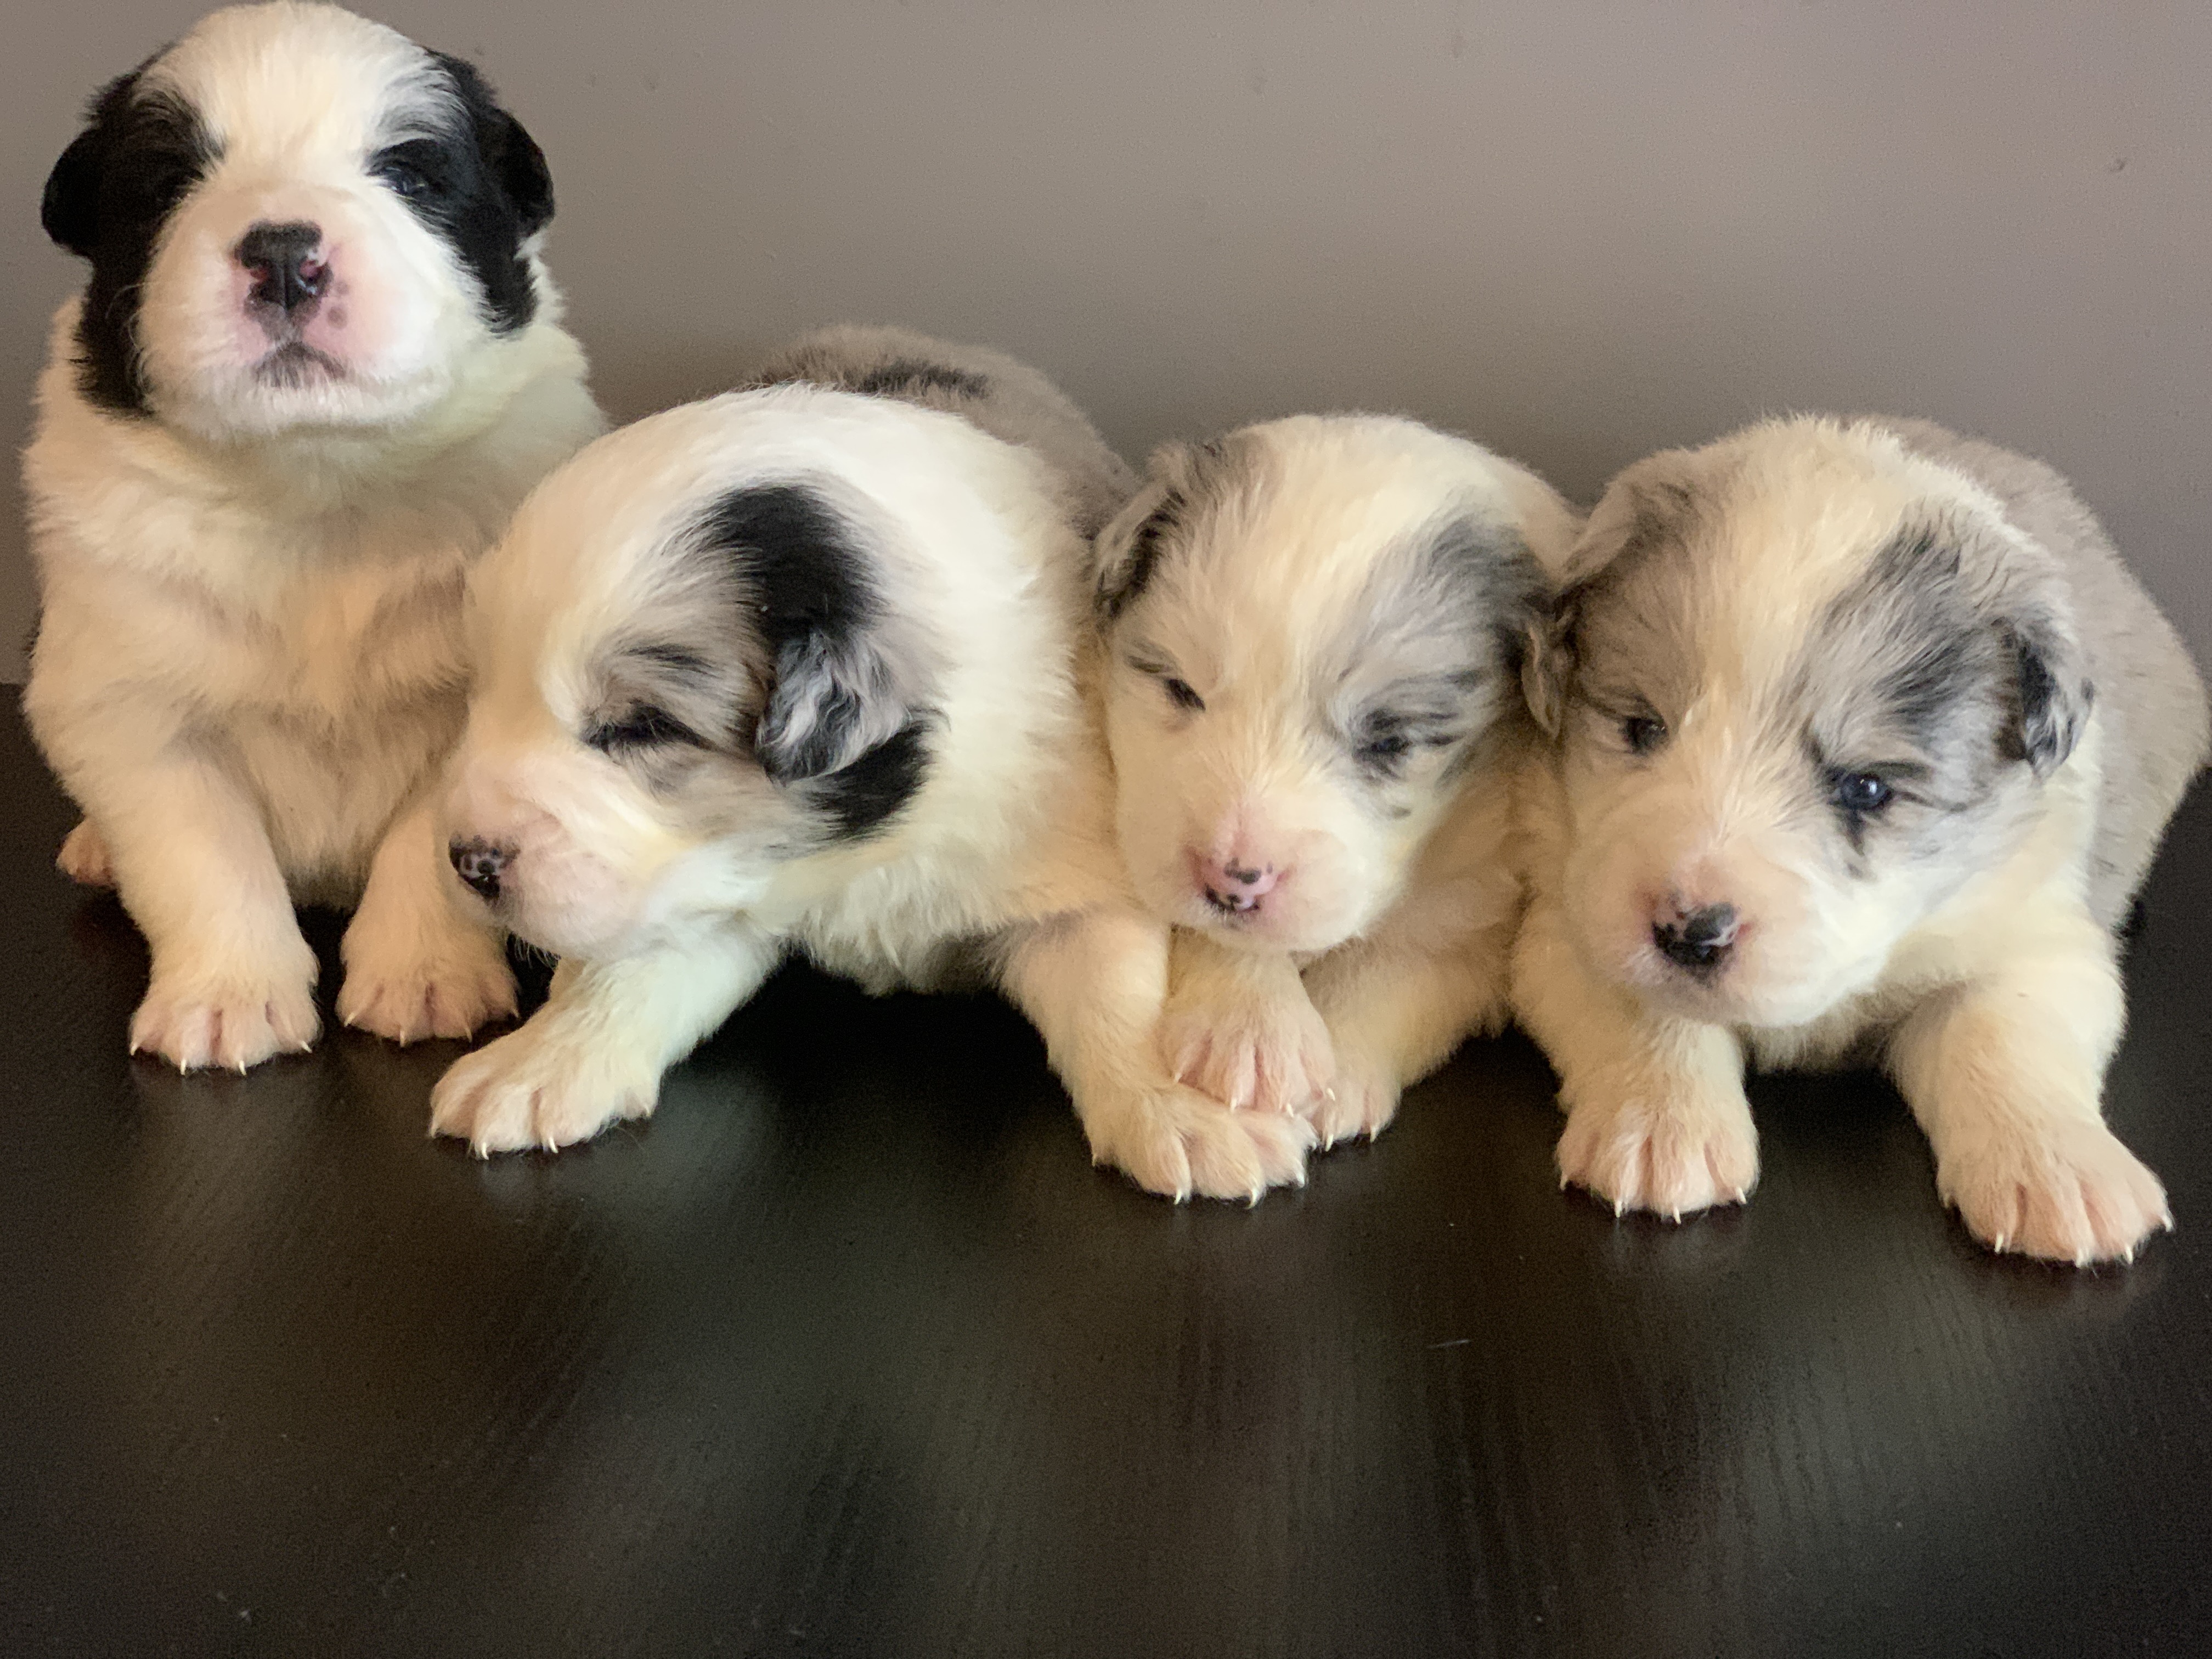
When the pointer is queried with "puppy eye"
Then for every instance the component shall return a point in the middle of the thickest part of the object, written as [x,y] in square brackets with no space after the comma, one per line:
[1181,694]
[1859,794]
[1642,732]
[404,177]
[644,727]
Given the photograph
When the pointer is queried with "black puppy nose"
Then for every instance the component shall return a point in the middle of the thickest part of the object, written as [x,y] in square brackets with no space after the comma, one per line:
[1698,940]
[282,258]
[479,863]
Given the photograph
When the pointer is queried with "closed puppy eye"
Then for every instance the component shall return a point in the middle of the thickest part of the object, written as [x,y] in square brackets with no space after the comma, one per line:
[403,170]
[643,726]
[1181,694]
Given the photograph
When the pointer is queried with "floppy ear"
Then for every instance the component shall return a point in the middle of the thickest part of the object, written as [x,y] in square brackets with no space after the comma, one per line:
[1127,551]
[838,689]
[521,168]
[1547,663]
[2054,690]
[70,210]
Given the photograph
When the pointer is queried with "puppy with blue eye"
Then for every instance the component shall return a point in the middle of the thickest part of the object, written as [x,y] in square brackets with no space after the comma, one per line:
[804,669]
[1315,630]
[1866,740]
[317,361]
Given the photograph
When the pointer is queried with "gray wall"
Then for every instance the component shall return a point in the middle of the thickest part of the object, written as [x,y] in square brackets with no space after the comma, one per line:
[1576,231]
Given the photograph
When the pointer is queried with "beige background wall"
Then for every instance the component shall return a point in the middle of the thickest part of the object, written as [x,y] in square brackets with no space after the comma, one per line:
[1576,231]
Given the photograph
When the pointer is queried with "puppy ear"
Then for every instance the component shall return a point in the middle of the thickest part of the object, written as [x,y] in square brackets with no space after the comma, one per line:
[1127,551]
[806,581]
[70,210]
[1547,663]
[522,172]
[2054,690]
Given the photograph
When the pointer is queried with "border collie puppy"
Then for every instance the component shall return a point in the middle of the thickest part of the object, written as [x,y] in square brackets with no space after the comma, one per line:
[1867,739]
[802,670]
[1315,631]
[316,366]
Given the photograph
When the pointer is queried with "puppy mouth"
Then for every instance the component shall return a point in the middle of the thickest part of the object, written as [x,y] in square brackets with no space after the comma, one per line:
[294,363]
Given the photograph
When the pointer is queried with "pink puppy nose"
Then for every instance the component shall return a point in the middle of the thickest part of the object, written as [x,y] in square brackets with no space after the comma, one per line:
[1235,886]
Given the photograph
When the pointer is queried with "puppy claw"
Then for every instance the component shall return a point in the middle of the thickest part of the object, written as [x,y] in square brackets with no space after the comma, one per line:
[1179,1144]
[534,1088]
[447,988]
[1673,1157]
[2064,1191]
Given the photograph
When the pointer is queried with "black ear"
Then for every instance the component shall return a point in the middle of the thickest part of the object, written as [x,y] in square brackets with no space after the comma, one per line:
[2055,692]
[70,210]
[522,172]
[837,691]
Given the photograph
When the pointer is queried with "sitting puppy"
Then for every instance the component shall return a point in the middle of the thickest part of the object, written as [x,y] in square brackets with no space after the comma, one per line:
[1315,630]
[800,669]
[1867,738]
[315,368]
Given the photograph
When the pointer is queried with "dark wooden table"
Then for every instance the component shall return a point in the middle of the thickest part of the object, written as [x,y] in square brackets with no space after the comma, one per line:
[850,1352]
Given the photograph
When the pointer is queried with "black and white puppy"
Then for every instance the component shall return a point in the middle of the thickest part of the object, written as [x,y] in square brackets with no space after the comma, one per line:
[1867,738]
[317,364]
[801,668]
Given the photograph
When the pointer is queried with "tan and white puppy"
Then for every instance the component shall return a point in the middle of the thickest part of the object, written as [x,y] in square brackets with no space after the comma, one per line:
[803,670]
[1867,738]
[317,364]
[1315,632]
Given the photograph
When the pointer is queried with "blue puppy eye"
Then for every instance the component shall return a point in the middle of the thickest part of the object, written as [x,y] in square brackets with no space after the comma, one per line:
[1859,793]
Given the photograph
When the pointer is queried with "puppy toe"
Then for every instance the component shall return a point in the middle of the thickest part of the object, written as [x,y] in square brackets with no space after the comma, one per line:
[2067,1192]
[1673,1157]
[232,1023]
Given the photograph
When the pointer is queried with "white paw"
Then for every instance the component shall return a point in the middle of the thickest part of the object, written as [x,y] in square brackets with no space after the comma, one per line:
[233,1021]
[539,1086]
[1271,1055]
[2065,1191]
[83,858]
[445,987]
[1177,1142]
[1674,1148]
[1361,1100]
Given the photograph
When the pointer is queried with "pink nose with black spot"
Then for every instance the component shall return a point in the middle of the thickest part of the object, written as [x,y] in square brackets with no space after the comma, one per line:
[1234,885]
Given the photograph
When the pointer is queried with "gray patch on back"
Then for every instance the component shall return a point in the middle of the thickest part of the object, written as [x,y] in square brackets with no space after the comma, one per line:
[1000,394]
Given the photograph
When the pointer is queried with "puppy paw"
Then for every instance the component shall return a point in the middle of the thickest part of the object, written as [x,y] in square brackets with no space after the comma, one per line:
[1270,1055]
[1671,1151]
[83,858]
[538,1087]
[227,1022]
[2067,1191]
[1361,1100]
[444,987]
[1177,1142]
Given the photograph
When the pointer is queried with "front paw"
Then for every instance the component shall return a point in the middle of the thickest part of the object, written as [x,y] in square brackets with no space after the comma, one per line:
[231,1020]
[2064,1191]
[540,1087]
[1176,1142]
[83,858]
[1361,1101]
[445,985]
[1671,1146]
[1271,1055]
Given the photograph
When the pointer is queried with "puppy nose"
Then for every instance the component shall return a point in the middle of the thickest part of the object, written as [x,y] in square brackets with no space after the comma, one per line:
[282,260]
[1235,886]
[1697,939]
[478,863]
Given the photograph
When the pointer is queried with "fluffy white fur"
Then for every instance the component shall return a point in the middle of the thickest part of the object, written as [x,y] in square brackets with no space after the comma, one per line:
[630,760]
[1314,705]
[1756,628]
[250,660]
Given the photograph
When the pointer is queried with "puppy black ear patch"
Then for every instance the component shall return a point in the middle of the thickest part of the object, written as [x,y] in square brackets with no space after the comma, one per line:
[838,708]
[2055,696]
[1129,549]
[69,211]
[521,168]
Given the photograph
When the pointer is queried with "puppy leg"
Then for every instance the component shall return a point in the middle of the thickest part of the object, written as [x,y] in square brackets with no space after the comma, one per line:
[1238,1026]
[2005,1076]
[1656,1117]
[1395,1011]
[83,858]
[597,1050]
[415,965]
[232,980]
[1094,984]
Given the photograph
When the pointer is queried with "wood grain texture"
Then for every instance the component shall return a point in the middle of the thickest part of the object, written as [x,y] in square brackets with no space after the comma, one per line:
[849,1352]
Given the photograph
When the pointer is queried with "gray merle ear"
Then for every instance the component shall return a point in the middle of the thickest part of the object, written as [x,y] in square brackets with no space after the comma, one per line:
[2055,694]
[837,689]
